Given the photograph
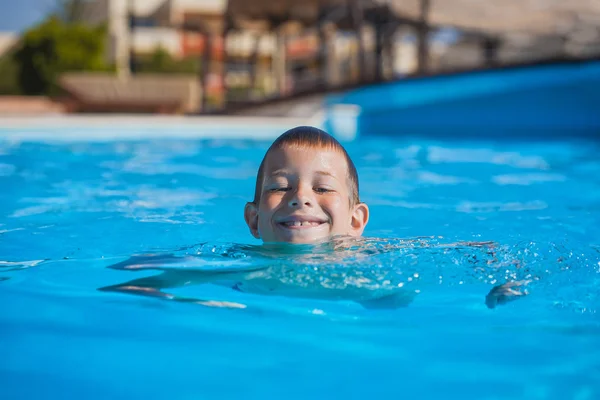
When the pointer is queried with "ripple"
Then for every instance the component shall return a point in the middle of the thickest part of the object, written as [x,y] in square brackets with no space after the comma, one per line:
[7,169]
[437,179]
[3,231]
[527,179]
[33,210]
[134,202]
[172,218]
[401,204]
[437,155]
[492,207]
[377,273]
[18,265]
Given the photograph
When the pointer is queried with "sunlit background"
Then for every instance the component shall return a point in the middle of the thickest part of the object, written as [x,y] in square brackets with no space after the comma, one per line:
[131,132]
[219,56]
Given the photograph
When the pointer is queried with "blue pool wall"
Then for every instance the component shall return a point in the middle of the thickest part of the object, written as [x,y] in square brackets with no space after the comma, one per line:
[544,100]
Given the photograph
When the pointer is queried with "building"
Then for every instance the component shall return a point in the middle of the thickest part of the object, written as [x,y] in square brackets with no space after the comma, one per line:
[7,41]
[137,28]
[256,58]
[140,27]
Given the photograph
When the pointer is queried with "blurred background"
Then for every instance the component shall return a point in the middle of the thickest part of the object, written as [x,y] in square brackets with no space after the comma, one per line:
[265,57]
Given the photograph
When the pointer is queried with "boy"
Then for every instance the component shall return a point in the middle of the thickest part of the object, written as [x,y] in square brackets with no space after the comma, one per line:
[306,191]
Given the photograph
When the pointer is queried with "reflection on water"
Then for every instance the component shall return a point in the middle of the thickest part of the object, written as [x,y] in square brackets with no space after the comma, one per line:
[13,266]
[525,212]
[376,273]
[458,227]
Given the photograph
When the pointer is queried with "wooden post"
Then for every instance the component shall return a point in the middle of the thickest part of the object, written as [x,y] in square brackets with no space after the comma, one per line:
[490,48]
[333,68]
[124,52]
[205,68]
[324,57]
[280,61]
[322,53]
[356,14]
[379,32]
[423,40]
[224,66]
[331,59]
[254,60]
[389,50]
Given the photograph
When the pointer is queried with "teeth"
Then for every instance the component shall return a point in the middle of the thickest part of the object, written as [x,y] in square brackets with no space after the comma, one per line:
[301,223]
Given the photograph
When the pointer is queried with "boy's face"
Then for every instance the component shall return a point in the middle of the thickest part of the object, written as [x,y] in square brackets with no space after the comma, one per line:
[305,197]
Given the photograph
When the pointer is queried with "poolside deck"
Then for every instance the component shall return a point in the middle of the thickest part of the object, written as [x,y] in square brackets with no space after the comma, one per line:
[107,128]
[29,105]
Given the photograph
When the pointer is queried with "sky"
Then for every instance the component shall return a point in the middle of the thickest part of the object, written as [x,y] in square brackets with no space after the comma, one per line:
[18,15]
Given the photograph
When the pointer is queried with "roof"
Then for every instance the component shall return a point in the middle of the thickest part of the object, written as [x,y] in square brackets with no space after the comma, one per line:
[575,21]
[507,16]
[304,11]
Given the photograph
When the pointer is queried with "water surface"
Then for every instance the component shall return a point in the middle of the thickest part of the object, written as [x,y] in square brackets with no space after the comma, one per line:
[450,220]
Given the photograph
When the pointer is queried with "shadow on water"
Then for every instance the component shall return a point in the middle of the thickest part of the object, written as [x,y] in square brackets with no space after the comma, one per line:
[375,273]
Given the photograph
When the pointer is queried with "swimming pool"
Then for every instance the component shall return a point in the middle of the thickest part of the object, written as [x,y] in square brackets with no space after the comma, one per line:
[73,210]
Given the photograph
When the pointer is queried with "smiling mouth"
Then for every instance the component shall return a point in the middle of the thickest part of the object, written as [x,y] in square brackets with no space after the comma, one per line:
[300,224]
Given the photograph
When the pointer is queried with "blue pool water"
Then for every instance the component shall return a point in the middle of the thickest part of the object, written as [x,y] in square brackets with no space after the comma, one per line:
[450,220]
[552,100]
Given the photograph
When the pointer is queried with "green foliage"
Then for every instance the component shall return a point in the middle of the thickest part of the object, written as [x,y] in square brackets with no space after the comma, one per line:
[53,48]
[8,75]
[161,62]
[70,11]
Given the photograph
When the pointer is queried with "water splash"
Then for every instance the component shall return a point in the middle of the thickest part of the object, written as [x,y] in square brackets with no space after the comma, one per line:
[380,273]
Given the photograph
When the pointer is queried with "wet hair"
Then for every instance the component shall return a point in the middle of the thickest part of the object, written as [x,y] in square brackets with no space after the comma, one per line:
[312,138]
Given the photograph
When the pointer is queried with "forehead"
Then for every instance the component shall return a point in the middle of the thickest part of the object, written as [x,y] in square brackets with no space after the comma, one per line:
[295,158]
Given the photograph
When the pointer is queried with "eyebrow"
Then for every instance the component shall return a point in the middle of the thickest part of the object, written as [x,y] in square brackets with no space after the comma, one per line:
[284,172]
[326,173]
[279,172]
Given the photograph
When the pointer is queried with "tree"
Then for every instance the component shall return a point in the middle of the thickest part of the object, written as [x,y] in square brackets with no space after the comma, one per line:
[70,11]
[161,62]
[54,47]
[8,75]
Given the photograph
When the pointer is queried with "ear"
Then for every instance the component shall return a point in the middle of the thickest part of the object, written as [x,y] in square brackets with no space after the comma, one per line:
[360,218]
[251,217]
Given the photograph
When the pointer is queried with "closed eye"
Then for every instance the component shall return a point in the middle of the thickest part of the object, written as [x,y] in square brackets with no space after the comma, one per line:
[279,189]
[322,190]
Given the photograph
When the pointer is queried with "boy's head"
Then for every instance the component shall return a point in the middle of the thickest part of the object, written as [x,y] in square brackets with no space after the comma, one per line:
[306,190]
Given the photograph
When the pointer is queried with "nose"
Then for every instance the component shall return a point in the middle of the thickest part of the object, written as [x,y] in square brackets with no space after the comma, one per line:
[300,198]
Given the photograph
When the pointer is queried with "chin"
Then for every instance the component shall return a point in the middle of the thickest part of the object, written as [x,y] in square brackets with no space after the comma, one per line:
[300,239]
[307,240]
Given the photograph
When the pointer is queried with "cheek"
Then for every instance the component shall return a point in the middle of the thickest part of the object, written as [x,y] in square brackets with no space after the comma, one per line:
[338,208]
[270,202]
